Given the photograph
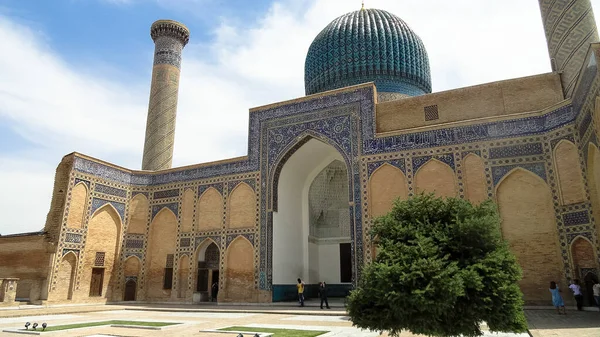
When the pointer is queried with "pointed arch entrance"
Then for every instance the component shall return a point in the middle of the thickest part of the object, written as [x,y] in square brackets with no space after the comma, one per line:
[312,221]
[208,257]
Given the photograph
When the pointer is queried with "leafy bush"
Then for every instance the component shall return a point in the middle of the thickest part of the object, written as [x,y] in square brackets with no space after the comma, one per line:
[442,269]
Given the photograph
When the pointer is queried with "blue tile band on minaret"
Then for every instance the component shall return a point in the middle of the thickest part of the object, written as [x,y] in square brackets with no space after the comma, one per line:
[369,45]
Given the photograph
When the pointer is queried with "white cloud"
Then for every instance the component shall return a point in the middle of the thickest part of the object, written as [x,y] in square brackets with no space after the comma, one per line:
[63,109]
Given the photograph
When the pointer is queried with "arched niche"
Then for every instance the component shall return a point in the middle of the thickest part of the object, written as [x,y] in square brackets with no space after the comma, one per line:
[77,206]
[570,178]
[138,214]
[528,224]
[210,210]
[65,279]
[593,177]
[184,273]
[187,212]
[132,266]
[242,207]
[240,271]
[387,183]
[131,270]
[101,252]
[208,259]
[437,177]
[474,178]
[160,255]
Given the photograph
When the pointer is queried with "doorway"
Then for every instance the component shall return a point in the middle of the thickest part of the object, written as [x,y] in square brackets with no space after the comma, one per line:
[215,285]
[208,270]
[130,287]
[588,283]
[96,282]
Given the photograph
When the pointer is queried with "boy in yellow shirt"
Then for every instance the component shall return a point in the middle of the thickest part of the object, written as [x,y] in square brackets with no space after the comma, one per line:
[300,287]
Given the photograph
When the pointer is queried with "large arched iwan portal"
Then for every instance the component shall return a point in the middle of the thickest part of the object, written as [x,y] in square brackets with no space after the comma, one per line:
[312,221]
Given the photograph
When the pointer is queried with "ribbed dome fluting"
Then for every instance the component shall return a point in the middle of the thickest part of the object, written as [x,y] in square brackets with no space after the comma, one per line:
[369,45]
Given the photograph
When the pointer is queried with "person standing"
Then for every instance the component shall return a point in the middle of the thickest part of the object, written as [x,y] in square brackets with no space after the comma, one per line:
[576,288]
[215,291]
[596,290]
[323,293]
[557,300]
[300,287]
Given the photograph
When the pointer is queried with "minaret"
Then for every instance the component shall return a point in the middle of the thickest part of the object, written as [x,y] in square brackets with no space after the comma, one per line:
[169,39]
[570,28]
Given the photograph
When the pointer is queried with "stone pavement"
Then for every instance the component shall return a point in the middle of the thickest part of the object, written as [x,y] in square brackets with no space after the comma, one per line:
[547,323]
[197,320]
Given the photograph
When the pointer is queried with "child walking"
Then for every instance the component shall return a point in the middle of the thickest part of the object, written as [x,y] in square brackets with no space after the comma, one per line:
[557,299]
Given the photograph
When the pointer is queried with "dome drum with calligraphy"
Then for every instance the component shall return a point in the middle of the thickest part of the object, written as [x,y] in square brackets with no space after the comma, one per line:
[368,45]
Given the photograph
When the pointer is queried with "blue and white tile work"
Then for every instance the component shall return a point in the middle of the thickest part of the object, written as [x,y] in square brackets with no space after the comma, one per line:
[345,119]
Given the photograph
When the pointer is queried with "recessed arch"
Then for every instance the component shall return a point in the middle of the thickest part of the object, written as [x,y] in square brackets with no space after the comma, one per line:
[138,214]
[526,208]
[242,207]
[132,266]
[187,211]
[386,184]
[201,249]
[184,273]
[474,178]
[103,207]
[518,169]
[65,278]
[437,177]
[593,179]
[568,169]
[160,253]
[583,255]
[290,150]
[296,252]
[210,210]
[103,237]
[77,205]
[239,270]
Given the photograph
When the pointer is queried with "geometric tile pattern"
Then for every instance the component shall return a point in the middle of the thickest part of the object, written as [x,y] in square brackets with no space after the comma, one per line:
[527,149]
[73,238]
[172,206]
[447,158]
[349,48]
[184,242]
[345,121]
[499,171]
[576,218]
[110,190]
[98,202]
[166,194]
[133,243]
[99,260]
[570,28]
[431,112]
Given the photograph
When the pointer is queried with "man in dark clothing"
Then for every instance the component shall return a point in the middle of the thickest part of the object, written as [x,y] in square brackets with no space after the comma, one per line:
[215,291]
[323,293]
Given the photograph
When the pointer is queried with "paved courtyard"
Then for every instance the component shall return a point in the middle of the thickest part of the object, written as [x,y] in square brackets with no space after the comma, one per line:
[199,320]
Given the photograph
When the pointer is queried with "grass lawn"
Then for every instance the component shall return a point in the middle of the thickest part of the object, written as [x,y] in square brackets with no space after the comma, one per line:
[89,324]
[278,332]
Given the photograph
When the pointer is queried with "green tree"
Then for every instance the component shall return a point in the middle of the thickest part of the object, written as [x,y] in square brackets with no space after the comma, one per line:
[442,268]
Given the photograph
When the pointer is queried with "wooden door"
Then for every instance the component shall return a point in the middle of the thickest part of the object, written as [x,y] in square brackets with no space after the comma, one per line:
[96,281]
[130,290]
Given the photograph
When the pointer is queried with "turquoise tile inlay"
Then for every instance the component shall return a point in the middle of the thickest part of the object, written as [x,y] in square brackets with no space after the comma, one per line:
[369,45]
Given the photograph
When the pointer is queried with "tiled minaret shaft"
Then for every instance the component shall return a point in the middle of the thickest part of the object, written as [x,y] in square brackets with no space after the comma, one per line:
[570,28]
[169,39]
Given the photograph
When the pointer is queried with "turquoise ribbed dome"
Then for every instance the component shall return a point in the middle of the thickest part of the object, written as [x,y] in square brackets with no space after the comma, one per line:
[368,45]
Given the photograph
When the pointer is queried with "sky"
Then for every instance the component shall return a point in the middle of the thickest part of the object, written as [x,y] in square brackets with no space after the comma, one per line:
[75,74]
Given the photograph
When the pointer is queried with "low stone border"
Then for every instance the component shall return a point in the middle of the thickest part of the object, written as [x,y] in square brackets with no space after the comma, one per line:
[248,333]
[25,332]
[145,327]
